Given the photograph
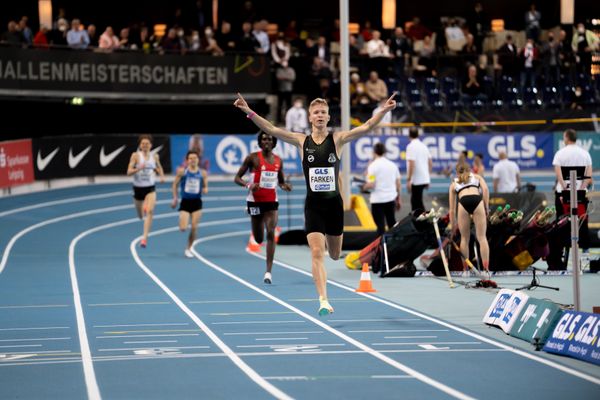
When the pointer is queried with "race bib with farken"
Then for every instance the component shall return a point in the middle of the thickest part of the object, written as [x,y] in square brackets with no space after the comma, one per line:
[322,179]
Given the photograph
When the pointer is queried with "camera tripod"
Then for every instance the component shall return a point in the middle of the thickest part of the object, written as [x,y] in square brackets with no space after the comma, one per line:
[535,283]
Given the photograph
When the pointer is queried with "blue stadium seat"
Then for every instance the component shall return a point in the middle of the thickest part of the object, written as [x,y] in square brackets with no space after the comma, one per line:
[430,83]
[415,99]
[448,84]
[530,98]
[434,99]
[551,97]
[567,93]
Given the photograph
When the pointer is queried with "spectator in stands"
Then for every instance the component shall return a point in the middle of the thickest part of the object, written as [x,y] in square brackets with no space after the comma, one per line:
[25,30]
[565,54]
[384,182]
[296,118]
[584,43]
[281,51]
[358,91]
[200,15]
[285,76]
[225,38]
[379,54]
[60,15]
[247,42]
[376,88]
[551,60]
[578,100]
[92,35]
[248,12]
[109,41]
[195,43]
[13,37]
[355,49]
[366,33]
[124,39]
[470,52]
[506,175]
[508,57]
[320,50]
[210,44]
[532,23]
[399,51]
[40,41]
[426,58]
[479,25]
[260,32]
[417,31]
[455,37]
[529,58]
[77,38]
[472,89]
[140,40]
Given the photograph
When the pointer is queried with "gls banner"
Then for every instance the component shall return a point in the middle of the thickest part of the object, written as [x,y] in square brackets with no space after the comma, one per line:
[576,335]
[224,154]
[530,151]
[88,155]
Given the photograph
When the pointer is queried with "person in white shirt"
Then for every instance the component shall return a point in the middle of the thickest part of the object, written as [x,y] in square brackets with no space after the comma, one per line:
[418,167]
[506,174]
[296,118]
[572,155]
[383,179]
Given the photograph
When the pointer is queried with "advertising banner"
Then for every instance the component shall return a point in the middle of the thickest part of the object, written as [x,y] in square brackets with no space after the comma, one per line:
[529,151]
[89,155]
[136,74]
[224,154]
[576,335]
[505,309]
[536,321]
[16,167]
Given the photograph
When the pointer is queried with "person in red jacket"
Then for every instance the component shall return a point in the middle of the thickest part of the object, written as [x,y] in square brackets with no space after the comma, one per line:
[267,174]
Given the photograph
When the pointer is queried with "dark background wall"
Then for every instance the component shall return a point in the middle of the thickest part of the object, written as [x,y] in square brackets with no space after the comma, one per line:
[315,12]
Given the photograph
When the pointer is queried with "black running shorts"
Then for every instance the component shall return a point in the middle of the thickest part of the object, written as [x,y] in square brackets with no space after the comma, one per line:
[190,205]
[259,208]
[140,193]
[324,215]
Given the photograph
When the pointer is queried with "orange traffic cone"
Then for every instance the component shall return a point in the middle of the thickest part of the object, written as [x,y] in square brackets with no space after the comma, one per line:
[253,245]
[365,280]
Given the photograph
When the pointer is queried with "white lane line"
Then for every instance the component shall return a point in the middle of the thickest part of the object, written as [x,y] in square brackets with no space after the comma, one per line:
[161,347]
[67,217]
[257,322]
[251,373]
[422,377]
[270,333]
[392,377]
[134,336]
[141,303]
[134,325]
[282,338]
[36,306]
[398,330]
[229,314]
[289,345]
[20,345]
[34,340]
[35,328]
[113,357]
[500,345]
[376,320]
[150,341]
[410,337]
[64,201]
[41,352]
[226,301]
[419,343]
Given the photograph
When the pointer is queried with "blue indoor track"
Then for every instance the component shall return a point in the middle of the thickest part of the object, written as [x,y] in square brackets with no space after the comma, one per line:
[86,313]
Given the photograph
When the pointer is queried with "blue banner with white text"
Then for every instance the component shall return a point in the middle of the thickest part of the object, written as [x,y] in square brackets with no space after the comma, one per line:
[576,335]
[224,154]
